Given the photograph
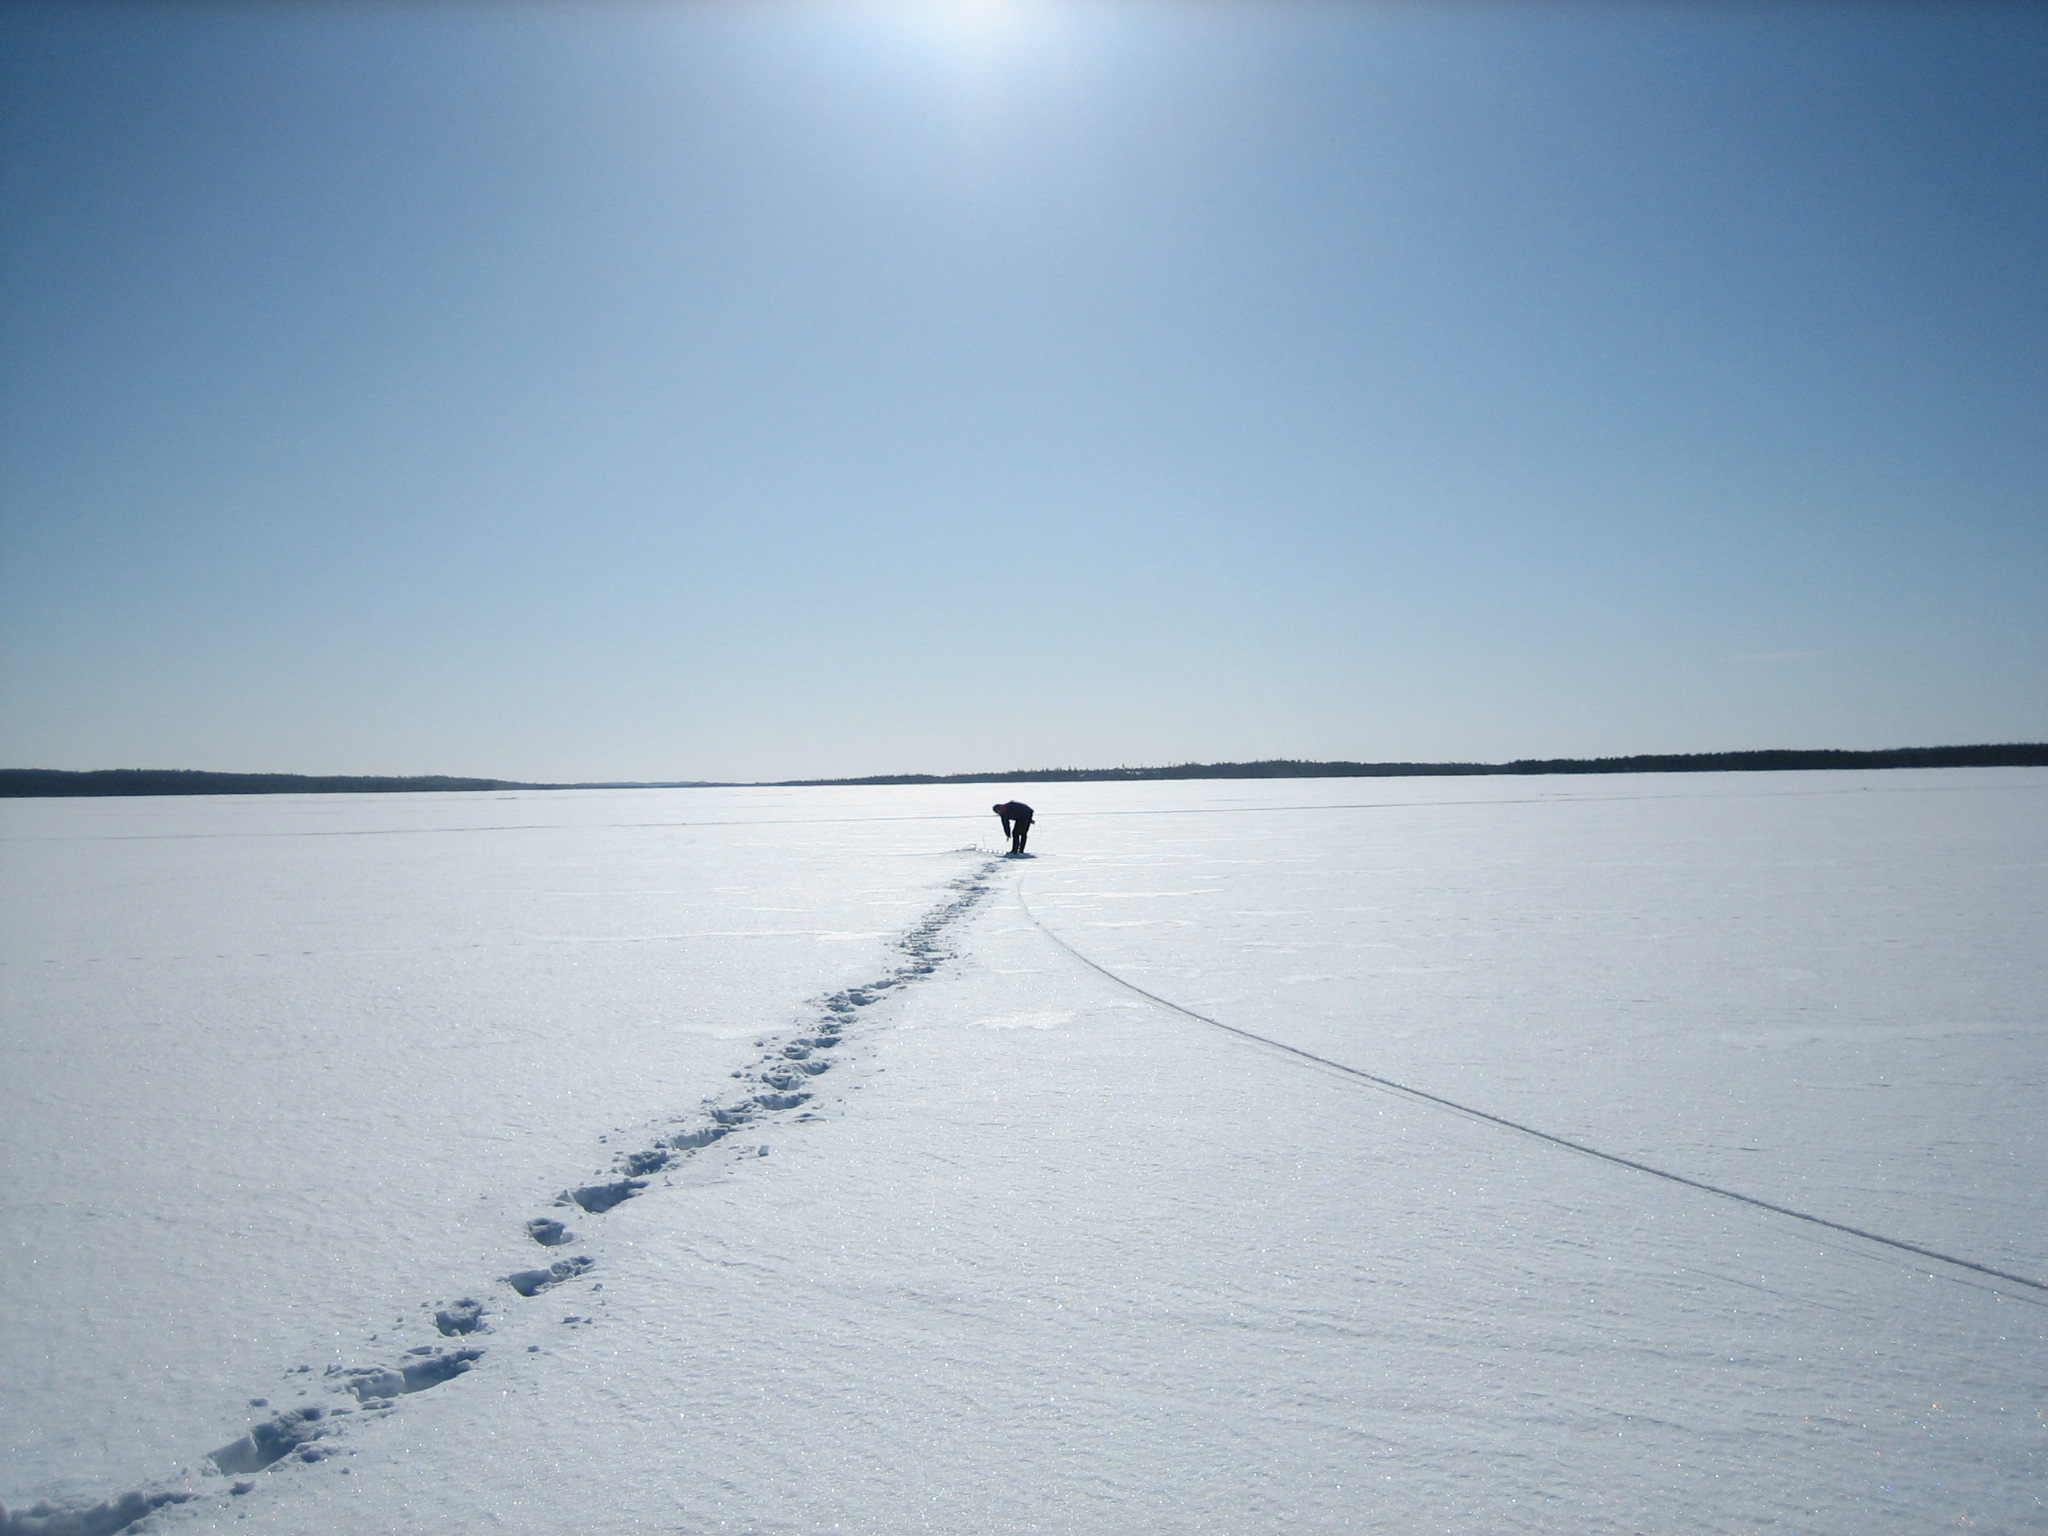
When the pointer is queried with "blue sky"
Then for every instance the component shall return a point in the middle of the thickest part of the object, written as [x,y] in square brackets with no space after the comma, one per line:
[718,390]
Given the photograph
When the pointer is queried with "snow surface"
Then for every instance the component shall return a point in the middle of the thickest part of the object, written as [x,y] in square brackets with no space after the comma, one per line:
[285,1081]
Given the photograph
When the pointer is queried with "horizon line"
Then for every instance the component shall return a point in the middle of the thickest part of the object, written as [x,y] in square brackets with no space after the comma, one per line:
[20,783]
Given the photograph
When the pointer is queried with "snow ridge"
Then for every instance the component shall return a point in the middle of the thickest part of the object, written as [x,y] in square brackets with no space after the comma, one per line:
[774,1084]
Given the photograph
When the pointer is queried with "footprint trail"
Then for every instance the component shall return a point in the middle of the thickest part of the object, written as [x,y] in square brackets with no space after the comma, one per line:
[775,1088]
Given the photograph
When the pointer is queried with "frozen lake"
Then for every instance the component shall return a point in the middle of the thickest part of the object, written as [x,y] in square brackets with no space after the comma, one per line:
[283,1078]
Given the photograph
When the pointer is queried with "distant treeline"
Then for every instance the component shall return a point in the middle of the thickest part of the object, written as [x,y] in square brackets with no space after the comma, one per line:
[188,781]
[183,781]
[2023,755]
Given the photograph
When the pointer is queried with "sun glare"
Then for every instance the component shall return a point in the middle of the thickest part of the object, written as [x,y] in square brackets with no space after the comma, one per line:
[975,18]
[984,38]
[974,24]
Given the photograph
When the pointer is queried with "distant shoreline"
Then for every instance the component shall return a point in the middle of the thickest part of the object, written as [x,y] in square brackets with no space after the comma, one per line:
[19,783]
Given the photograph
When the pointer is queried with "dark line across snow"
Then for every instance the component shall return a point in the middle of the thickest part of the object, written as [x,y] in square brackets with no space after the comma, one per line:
[1440,1102]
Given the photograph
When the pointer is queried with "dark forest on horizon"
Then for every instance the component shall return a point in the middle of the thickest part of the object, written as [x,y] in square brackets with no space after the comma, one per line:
[52,782]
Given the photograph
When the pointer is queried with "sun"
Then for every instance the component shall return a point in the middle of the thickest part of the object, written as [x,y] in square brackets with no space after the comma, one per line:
[979,20]
[976,13]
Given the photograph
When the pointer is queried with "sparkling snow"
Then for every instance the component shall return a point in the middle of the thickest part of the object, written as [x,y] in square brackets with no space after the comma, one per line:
[285,1081]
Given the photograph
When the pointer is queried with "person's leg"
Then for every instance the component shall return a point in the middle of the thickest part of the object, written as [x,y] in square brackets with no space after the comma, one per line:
[1023,831]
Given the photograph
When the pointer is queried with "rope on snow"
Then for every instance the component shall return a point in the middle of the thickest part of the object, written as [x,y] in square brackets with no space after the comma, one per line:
[1529,1130]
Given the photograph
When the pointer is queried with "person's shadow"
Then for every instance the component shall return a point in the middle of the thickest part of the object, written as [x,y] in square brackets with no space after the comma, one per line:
[1020,855]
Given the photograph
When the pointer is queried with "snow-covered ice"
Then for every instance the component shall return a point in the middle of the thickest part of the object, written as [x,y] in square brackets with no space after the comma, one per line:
[757,1160]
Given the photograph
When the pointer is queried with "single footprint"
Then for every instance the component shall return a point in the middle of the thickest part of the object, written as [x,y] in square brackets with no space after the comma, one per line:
[464,1316]
[531,1282]
[272,1441]
[599,1198]
[374,1384]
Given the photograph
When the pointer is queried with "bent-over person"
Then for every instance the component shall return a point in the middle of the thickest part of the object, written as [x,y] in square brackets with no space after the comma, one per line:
[1016,817]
